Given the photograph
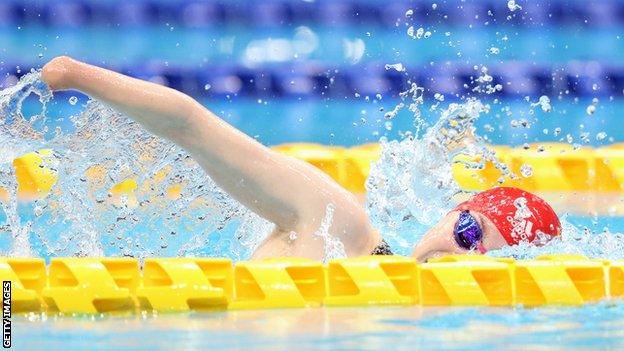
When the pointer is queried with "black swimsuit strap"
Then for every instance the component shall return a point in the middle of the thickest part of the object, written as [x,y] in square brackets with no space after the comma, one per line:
[382,249]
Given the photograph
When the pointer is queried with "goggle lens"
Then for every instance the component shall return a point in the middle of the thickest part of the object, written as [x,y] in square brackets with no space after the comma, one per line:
[468,232]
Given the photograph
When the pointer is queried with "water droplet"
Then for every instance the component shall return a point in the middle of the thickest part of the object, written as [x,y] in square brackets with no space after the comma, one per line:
[494,50]
[207,86]
[409,13]
[526,170]
[419,32]
[512,6]
[292,236]
[396,66]
[590,109]
[601,136]
[38,211]
[569,138]
[73,100]
[543,103]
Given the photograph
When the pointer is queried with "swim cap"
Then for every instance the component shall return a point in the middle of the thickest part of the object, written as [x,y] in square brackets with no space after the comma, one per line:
[517,214]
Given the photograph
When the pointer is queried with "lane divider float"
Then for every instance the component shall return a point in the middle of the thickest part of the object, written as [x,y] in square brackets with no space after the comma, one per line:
[553,167]
[100,285]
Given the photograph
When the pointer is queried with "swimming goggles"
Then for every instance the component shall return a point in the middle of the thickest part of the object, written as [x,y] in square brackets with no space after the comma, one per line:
[468,232]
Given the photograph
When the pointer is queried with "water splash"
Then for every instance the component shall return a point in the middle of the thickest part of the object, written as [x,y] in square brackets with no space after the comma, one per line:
[82,217]
[411,186]
[333,247]
[573,240]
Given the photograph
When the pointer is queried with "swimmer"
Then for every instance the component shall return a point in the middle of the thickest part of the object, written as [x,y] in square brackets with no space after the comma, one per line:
[291,193]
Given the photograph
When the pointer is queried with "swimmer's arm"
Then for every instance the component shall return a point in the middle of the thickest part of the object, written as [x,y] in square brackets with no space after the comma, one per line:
[288,192]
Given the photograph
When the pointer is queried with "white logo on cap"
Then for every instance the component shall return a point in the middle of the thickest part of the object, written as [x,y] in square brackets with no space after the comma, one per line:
[522,227]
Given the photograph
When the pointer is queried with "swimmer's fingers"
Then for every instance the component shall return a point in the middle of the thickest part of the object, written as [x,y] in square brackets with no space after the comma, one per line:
[56,72]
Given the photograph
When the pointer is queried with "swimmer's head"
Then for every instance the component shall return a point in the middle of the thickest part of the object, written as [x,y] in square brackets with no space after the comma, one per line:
[488,221]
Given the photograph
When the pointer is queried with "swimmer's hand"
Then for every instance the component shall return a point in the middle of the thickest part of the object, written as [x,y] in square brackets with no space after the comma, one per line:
[56,72]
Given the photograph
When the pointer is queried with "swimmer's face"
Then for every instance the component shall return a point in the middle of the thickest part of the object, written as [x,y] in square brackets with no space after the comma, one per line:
[440,240]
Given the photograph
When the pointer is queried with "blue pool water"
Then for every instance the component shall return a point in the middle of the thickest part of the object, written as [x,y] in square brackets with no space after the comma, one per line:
[597,327]
[191,47]
[357,121]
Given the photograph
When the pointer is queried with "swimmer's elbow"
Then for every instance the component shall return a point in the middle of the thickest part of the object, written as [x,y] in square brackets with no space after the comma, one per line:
[285,220]
[179,121]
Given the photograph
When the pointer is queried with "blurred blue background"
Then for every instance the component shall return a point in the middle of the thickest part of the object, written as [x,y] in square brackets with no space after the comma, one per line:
[314,70]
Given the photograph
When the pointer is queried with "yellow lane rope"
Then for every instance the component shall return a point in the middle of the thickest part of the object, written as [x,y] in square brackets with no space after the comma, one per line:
[97,285]
[554,167]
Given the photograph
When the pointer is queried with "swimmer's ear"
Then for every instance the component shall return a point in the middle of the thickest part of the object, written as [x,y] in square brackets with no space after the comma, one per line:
[56,72]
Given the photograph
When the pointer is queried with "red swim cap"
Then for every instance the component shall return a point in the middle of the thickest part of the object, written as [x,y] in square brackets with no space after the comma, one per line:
[517,214]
